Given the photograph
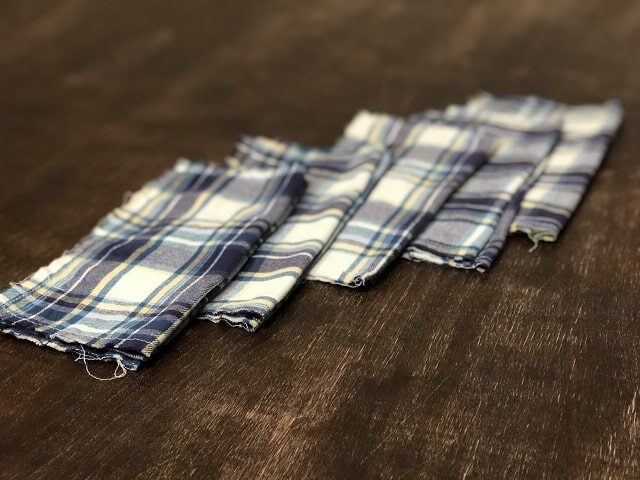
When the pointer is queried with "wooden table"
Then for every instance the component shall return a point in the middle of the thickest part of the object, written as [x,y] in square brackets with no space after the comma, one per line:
[529,371]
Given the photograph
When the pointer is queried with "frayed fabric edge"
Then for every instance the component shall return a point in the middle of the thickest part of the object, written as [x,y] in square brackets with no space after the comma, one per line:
[84,355]
[119,372]
[355,283]
[537,236]
[235,321]
[455,262]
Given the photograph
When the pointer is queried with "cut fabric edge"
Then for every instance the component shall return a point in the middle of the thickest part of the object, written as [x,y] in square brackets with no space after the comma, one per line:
[456,261]
[536,235]
[242,321]
[126,361]
[610,113]
[333,281]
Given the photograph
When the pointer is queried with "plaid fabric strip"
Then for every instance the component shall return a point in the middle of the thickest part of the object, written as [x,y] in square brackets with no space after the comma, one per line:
[472,226]
[587,131]
[127,288]
[334,182]
[431,159]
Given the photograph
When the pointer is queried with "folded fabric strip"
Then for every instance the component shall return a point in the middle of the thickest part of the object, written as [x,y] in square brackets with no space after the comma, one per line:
[587,131]
[431,159]
[128,287]
[335,181]
[471,228]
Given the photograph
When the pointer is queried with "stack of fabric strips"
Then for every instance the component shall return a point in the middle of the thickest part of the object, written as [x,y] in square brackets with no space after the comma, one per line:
[229,243]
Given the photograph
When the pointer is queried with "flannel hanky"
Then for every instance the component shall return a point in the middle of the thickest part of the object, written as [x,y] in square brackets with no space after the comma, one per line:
[127,288]
[471,228]
[587,131]
[431,159]
[335,181]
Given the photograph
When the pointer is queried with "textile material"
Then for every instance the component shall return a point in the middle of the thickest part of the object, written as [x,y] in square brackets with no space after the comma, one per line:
[128,287]
[335,182]
[587,131]
[431,159]
[472,226]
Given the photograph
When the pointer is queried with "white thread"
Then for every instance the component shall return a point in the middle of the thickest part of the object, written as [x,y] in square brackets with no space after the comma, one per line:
[119,372]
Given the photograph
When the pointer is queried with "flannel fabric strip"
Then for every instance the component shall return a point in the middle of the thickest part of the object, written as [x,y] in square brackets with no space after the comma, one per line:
[587,131]
[129,286]
[431,158]
[472,226]
[334,182]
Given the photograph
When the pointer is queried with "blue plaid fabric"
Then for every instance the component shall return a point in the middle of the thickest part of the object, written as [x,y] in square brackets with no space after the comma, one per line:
[335,181]
[431,158]
[471,228]
[550,202]
[586,130]
[127,288]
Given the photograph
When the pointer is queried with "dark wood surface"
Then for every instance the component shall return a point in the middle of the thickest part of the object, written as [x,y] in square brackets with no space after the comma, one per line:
[530,371]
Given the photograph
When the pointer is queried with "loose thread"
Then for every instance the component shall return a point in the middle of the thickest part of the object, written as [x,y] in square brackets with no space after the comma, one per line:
[119,372]
[536,242]
[126,196]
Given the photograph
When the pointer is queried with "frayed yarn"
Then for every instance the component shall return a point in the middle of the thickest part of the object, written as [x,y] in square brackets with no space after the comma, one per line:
[119,372]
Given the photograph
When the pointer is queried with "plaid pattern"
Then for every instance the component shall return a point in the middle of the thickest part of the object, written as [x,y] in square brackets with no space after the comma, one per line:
[431,159]
[127,288]
[471,228]
[550,202]
[587,131]
[334,182]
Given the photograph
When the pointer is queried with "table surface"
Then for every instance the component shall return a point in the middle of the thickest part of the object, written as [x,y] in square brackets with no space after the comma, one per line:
[531,370]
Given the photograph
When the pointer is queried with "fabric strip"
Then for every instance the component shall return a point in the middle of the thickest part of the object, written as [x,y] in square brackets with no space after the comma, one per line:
[587,131]
[472,226]
[335,181]
[129,286]
[431,159]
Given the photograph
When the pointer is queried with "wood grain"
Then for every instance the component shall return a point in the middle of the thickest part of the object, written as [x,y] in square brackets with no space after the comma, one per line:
[530,371]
